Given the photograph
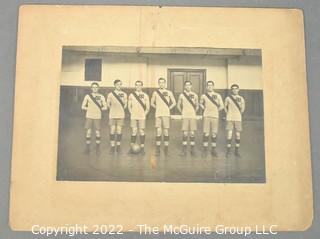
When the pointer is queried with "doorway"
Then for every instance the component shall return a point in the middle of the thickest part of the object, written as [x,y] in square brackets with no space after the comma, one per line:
[177,77]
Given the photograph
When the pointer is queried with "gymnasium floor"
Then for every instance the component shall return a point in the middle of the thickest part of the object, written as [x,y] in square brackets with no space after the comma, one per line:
[73,165]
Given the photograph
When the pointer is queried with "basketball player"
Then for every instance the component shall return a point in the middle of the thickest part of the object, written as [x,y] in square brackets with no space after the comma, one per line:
[234,108]
[138,106]
[93,104]
[163,101]
[188,105]
[211,103]
[116,103]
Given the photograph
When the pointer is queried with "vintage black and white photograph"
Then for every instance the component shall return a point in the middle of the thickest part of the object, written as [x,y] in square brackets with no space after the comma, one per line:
[161,114]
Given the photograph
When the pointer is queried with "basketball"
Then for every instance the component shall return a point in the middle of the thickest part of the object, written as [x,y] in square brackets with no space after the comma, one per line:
[136,148]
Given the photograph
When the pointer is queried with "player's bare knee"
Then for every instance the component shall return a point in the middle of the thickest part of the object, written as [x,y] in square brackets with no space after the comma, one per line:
[238,135]
[141,131]
[113,129]
[166,132]
[134,131]
[185,133]
[97,133]
[88,133]
[191,133]
[159,132]
[118,129]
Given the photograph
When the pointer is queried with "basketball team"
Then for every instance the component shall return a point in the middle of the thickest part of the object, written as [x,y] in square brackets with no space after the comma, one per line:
[163,101]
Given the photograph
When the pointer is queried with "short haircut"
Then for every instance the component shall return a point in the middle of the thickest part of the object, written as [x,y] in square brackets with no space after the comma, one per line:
[94,83]
[234,86]
[210,81]
[161,78]
[139,81]
[187,81]
[116,81]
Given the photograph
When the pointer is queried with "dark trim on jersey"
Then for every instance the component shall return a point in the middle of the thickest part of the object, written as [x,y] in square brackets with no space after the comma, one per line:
[236,103]
[118,98]
[139,100]
[164,99]
[212,100]
[189,100]
[94,101]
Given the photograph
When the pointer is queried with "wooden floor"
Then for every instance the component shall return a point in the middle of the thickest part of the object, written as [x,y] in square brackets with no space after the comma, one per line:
[73,165]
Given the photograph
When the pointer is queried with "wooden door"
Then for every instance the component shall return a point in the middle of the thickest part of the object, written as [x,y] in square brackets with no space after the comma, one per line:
[177,77]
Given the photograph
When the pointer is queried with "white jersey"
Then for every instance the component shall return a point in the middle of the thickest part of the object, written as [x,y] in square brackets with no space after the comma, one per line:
[138,108]
[188,110]
[232,110]
[117,102]
[94,103]
[163,103]
[212,103]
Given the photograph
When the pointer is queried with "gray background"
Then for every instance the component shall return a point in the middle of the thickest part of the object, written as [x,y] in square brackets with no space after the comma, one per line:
[8,31]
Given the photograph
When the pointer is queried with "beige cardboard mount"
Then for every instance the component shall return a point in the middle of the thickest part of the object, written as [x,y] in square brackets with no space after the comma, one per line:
[37,198]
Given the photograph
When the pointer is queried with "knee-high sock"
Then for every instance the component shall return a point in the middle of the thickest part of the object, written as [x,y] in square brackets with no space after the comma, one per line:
[133,139]
[228,143]
[88,140]
[158,140]
[98,137]
[88,137]
[112,140]
[166,140]
[214,141]
[192,140]
[237,143]
[184,140]
[119,137]
[142,140]
[205,140]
